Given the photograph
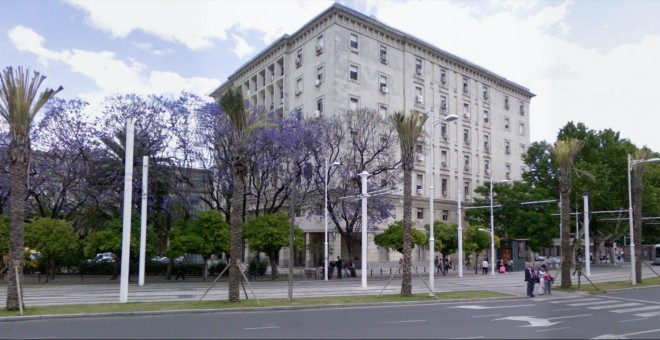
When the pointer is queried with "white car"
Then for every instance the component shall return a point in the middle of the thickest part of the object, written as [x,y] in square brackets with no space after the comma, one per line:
[106,257]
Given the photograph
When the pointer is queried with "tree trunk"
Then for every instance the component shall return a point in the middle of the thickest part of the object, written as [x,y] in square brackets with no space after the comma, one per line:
[19,155]
[51,267]
[274,258]
[238,190]
[565,194]
[406,282]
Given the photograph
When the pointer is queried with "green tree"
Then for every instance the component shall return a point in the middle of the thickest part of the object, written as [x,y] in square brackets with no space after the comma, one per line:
[109,239]
[392,237]
[409,129]
[19,104]
[476,241]
[54,239]
[269,234]
[565,152]
[244,123]
[446,238]
[207,234]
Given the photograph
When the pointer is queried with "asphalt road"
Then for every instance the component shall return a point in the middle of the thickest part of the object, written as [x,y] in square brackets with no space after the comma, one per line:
[632,314]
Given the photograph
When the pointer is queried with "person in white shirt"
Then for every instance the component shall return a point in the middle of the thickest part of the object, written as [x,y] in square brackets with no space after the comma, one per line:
[484,266]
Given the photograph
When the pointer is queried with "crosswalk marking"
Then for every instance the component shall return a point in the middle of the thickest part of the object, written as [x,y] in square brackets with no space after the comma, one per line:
[578,300]
[621,305]
[648,315]
[591,303]
[636,309]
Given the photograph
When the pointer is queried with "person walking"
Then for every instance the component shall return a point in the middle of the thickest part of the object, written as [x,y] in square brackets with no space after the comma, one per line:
[484,266]
[541,275]
[437,265]
[510,266]
[180,271]
[530,275]
[339,265]
[348,264]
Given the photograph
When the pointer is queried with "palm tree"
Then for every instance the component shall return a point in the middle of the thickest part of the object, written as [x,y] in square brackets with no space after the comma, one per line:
[638,189]
[409,129]
[244,123]
[565,152]
[19,104]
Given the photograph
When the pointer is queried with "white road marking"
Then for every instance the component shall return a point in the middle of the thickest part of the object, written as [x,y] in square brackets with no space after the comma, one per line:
[563,309]
[485,316]
[642,332]
[630,304]
[636,309]
[552,329]
[569,316]
[633,320]
[648,315]
[256,328]
[487,307]
[471,337]
[404,321]
[592,303]
[579,300]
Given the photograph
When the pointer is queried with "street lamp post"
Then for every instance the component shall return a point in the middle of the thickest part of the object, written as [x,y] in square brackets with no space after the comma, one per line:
[460,237]
[631,163]
[325,211]
[492,227]
[449,118]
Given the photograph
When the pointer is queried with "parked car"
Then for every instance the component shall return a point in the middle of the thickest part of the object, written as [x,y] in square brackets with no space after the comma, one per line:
[106,257]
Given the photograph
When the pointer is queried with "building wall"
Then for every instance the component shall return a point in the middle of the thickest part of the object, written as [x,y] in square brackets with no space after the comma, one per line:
[419,77]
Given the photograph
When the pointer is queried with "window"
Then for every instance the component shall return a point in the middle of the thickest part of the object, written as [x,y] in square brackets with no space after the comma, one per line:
[445,215]
[522,108]
[382,83]
[319,44]
[521,128]
[443,131]
[420,180]
[443,77]
[506,102]
[353,72]
[522,149]
[299,57]
[485,92]
[418,66]
[466,162]
[353,103]
[506,123]
[299,86]
[466,110]
[444,186]
[486,116]
[466,86]
[419,95]
[443,102]
[419,149]
[420,213]
[466,136]
[320,73]
[486,143]
[487,167]
[443,158]
[382,109]
[383,54]
[319,105]
[353,41]
[466,189]
[508,171]
[507,147]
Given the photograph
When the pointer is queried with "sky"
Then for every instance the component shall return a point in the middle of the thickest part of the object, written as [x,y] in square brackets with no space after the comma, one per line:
[589,61]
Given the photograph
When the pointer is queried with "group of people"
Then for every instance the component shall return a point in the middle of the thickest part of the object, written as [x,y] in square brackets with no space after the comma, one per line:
[442,266]
[344,268]
[541,276]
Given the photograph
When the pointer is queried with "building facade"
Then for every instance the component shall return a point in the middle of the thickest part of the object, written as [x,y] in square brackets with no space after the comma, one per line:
[343,59]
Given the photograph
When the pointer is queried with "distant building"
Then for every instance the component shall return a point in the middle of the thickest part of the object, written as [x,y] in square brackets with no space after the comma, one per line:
[343,59]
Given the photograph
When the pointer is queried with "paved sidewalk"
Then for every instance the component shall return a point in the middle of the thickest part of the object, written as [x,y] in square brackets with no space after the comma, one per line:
[510,283]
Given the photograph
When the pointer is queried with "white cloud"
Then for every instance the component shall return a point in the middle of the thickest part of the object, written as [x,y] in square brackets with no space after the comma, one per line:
[108,71]
[196,24]
[149,48]
[242,48]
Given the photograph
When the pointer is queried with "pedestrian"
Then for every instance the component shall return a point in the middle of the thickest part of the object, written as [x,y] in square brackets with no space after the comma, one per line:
[530,277]
[446,265]
[541,275]
[180,271]
[437,265]
[484,266]
[510,265]
[548,281]
[450,264]
[348,264]
[339,264]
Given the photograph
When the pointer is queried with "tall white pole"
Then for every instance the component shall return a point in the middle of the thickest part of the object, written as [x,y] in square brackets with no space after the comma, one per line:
[585,199]
[143,218]
[431,199]
[126,225]
[460,236]
[325,211]
[364,176]
[492,231]
[630,219]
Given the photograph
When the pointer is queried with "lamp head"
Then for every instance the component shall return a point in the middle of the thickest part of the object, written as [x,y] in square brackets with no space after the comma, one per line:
[450,118]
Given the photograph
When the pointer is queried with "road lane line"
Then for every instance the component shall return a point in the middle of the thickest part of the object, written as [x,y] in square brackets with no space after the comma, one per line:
[577,300]
[569,316]
[648,315]
[257,328]
[551,329]
[631,304]
[636,309]
[592,303]
[404,321]
[633,320]
[485,316]
[642,332]
[564,309]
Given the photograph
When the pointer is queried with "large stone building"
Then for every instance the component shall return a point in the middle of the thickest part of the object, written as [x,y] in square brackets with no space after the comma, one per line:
[343,59]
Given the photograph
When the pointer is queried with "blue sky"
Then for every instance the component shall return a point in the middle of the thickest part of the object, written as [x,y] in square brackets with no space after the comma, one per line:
[586,60]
